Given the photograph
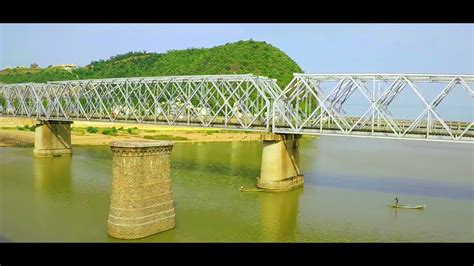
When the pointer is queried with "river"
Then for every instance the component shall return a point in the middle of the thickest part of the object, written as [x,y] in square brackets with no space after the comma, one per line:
[349,183]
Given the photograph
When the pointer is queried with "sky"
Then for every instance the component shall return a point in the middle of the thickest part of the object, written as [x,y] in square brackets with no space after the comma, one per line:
[317,48]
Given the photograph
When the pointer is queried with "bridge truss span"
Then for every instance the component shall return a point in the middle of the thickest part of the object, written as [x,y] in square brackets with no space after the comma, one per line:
[377,105]
[226,101]
[400,106]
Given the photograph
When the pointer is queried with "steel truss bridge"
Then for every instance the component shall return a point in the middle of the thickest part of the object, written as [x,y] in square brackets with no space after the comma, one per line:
[318,104]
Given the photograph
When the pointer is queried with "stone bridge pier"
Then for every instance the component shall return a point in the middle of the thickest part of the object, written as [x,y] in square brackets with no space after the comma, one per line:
[141,201]
[280,168]
[52,138]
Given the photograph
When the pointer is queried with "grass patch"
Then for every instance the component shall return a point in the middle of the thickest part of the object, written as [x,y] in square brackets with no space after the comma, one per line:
[210,132]
[150,130]
[78,131]
[92,130]
[26,128]
[132,130]
[110,131]
[165,137]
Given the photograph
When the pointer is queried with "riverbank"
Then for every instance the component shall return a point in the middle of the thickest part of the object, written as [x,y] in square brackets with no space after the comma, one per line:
[20,132]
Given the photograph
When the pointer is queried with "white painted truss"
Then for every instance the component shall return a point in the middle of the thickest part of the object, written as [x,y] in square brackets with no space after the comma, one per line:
[317,104]
[228,101]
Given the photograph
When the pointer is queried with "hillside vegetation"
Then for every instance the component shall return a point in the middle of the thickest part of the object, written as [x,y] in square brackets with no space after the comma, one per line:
[243,57]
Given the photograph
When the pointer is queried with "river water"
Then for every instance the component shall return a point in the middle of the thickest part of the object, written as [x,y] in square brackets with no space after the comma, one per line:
[349,183]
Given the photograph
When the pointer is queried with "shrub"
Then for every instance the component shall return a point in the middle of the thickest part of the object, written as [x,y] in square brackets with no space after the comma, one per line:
[26,128]
[92,129]
[110,131]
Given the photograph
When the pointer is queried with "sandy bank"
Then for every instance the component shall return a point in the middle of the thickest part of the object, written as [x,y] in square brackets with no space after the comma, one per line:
[11,136]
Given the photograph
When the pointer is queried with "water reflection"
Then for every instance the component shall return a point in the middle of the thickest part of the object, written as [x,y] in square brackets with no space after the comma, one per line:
[278,213]
[235,155]
[53,175]
[236,152]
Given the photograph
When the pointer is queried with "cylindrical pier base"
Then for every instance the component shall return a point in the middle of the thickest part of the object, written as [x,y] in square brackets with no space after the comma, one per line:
[280,163]
[52,138]
[141,199]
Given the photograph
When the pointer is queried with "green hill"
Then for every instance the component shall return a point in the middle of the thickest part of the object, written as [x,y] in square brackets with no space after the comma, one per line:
[243,57]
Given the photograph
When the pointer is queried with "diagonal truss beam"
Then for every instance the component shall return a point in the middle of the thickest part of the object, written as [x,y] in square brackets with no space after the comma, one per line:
[325,98]
[309,104]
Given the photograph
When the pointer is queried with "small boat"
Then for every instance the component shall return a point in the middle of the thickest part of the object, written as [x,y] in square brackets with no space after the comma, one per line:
[251,189]
[407,206]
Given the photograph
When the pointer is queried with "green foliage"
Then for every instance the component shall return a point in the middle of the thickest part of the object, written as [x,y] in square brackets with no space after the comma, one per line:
[210,132]
[165,137]
[92,129]
[243,57]
[26,128]
[110,131]
[41,75]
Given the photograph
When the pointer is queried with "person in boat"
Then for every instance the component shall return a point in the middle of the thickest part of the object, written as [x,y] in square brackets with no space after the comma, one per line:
[396,200]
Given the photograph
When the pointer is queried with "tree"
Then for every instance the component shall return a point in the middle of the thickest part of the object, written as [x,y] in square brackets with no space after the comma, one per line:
[234,68]
[243,57]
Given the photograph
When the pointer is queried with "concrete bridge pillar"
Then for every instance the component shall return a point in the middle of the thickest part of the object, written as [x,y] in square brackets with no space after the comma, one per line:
[141,199]
[52,138]
[280,162]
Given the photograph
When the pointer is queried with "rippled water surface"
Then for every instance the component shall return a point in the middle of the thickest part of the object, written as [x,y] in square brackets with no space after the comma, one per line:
[349,183]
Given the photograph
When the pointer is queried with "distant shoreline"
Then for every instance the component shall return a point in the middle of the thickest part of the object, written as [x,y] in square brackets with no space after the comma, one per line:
[19,132]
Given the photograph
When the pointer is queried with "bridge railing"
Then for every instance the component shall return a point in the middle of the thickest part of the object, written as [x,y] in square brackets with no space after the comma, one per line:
[378,105]
[229,101]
